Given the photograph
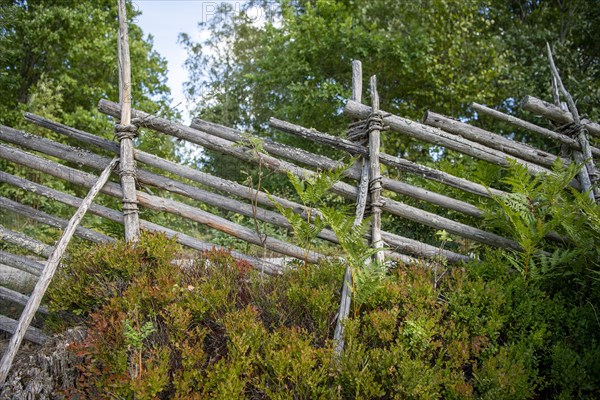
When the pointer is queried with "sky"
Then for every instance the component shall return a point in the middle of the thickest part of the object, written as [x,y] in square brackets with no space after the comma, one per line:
[164,20]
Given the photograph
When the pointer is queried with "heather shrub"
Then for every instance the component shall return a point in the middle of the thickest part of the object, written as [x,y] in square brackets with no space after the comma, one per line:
[219,329]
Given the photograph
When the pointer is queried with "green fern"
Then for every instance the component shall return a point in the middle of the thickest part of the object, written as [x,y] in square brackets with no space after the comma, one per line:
[350,236]
[368,276]
[537,207]
[312,191]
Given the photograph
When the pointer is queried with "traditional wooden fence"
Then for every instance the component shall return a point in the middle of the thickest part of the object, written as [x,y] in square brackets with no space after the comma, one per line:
[206,189]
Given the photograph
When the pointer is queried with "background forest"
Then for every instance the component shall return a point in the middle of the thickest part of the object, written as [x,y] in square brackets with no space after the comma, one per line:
[506,326]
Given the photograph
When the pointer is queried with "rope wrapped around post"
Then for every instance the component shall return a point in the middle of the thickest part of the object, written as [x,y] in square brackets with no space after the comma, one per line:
[357,132]
[129,131]
[127,170]
[374,123]
[126,131]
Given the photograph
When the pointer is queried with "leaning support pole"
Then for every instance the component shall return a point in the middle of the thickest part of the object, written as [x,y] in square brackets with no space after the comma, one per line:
[49,269]
[361,201]
[126,132]
[588,173]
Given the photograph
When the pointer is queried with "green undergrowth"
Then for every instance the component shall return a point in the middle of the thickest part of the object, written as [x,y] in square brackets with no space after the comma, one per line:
[219,329]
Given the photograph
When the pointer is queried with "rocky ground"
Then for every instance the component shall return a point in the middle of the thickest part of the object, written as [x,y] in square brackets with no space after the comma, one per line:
[41,372]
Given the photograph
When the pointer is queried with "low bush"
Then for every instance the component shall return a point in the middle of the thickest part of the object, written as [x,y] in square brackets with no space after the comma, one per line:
[219,329]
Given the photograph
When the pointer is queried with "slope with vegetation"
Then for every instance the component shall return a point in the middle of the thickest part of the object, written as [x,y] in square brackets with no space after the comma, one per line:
[515,325]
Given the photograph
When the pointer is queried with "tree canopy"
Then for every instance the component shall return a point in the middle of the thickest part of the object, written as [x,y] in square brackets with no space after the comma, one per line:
[294,63]
[59,58]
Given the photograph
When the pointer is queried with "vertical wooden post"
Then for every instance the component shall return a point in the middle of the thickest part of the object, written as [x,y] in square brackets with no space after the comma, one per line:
[361,201]
[375,173]
[48,272]
[357,80]
[125,133]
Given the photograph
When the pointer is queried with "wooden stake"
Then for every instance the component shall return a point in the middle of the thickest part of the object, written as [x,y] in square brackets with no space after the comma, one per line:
[46,277]
[343,312]
[357,80]
[363,186]
[127,166]
[375,176]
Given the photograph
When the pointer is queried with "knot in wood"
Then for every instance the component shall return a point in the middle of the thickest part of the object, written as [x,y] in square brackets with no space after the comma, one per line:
[125,131]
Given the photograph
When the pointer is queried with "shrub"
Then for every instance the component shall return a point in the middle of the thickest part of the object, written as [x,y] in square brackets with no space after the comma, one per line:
[218,329]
